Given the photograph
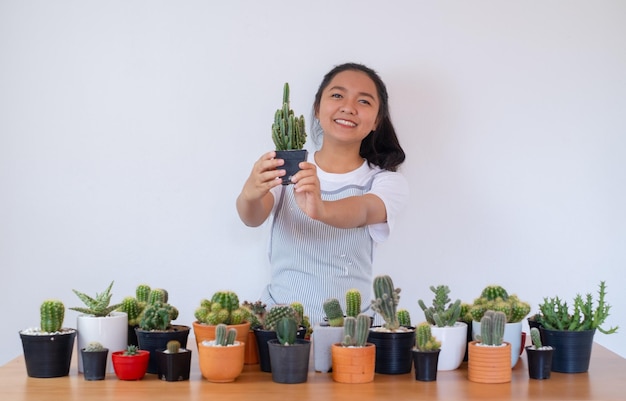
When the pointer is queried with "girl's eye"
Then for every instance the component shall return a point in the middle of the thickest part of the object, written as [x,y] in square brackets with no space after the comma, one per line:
[365,101]
[335,95]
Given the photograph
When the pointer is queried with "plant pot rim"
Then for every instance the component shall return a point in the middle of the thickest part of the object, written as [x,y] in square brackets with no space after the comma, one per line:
[114,314]
[173,328]
[36,332]
[121,353]
[367,345]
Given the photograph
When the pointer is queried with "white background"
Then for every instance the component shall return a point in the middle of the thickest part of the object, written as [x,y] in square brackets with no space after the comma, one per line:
[128,127]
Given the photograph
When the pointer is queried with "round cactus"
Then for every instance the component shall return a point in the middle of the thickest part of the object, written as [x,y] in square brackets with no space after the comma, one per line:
[276,313]
[333,311]
[52,313]
[142,292]
[173,346]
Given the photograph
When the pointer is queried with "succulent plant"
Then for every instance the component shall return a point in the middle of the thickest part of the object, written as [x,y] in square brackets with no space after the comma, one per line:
[98,306]
[52,313]
[132,308]
[385,301]
[442,313]
[173,346]
[158,295]
[288,131]
[286,331]
[224,335]
[276,313]
[535,337]
[158,316]
[492,328]
[404,317]
[256,313]
[424,340]
[496,298]
[131,350]
[353,302]
[222,308]
[142,292]
[356,330]
[333,311]
[94,346]
[556,315]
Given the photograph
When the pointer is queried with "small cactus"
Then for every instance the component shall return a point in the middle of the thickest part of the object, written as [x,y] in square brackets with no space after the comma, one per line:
[333,311]
[353,302]
[385,301]
[355,330]
[142,292]
[492,328]
[131,350]
[158,295]
[404,317]
[535,336]
[288,131]
[496,298]
[132,308]
[224,335]
[94,346]
[222,308]
[158,316]
[256,313]
[442,313]
[52,313]
[286,331]
[98,306]
[424,338]
[173,346]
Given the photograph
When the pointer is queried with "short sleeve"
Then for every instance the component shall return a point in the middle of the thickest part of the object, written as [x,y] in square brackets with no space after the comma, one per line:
[393,189]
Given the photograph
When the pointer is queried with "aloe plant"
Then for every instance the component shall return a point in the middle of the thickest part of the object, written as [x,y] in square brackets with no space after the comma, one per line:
[99,305]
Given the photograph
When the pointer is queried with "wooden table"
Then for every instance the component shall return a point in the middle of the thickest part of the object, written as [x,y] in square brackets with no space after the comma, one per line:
[606,380]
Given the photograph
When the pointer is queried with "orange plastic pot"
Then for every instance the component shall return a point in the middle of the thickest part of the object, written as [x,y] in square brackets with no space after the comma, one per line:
[489,364]
[221,364]
[353,364]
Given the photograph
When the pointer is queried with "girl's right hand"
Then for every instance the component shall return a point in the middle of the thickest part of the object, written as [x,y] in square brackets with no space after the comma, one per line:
[263,177]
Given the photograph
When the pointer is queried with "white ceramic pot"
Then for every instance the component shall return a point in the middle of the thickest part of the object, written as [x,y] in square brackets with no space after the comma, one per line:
[512,335]
[322,339]
[110,331]
[453,344]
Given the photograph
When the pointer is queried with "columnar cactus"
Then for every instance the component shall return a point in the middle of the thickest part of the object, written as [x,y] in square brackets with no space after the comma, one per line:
[355,330]
[535,336]
[404,317]
[492,328]
[276,313]
[132,308]
[224,335]
[158,295]
[52,313]
[286,330]
[424,338]
[333,311]
[288,131]
[386,300]
[142,292]
[442,313]
[173,346]
[353,302]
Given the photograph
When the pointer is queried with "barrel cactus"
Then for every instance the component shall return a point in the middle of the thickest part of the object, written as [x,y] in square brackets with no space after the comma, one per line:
[276,313]
[333,311]
[222,308]
[173,346]
[94,346]
[52,313]
[496,298]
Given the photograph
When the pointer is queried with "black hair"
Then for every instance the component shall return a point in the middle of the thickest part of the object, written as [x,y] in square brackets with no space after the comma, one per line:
[381,146]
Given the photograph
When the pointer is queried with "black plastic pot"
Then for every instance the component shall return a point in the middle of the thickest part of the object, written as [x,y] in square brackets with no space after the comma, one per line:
[572,349]
[393,351]
[292,159]
[425,365]
[173,367]
[262,337]
[154,340]
[290,363]
[539,362]
[48,355]
[94,364]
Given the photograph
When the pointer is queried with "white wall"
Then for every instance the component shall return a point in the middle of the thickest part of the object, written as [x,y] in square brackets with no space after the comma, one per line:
[128,127]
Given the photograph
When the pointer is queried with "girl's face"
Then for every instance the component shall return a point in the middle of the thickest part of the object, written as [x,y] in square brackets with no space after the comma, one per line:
[348,107]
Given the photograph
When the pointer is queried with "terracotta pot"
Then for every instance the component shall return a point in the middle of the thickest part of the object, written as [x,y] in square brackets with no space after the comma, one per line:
[221,364]
[489,364]
[130,367]
[353,364]
[207,331]
[251,356]
[512,335]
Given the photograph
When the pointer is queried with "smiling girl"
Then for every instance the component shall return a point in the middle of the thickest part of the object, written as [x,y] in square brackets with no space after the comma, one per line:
[345,198]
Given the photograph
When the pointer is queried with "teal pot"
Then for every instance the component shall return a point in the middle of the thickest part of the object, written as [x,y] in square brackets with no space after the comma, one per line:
[173,367]
[539,362]
[425,365]
[393,350]
[154,340]
[48,355]
[262,337]
[94,364]
[572,349]
[292,160]
[290,363]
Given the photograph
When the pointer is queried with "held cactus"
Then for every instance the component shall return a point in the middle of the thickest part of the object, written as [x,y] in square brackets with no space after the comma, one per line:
[353,302]
[173,346]
[424,338]
[52,313]
[404,317]
[98,306]
[442,313]
[288,131]
[333,311]
[386,300]
[286,331]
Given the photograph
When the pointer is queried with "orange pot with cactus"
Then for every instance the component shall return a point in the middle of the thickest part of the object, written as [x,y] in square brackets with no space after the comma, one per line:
[489,358]
[354,360]
[221,360]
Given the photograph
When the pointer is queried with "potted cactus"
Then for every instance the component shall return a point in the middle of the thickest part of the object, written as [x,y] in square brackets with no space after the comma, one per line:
[94,358]
[155,328]
[425,353]
[289,355]
[289,136]
[265,330]
[173,362]
[222,358]
[539,356]
[130,363]
[48,348]
[133,306]
[354,359]
[99,321]
[222,308]
[496,298]
[489,357]
[571,331]
[327,333]
[443,316]
[393,341]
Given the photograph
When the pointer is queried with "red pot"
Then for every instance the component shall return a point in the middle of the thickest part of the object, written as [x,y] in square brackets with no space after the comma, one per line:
[130,367]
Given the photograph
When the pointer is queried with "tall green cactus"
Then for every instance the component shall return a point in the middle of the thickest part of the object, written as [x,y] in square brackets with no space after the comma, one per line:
[286,331]
[424,338]
[535,336]
[224,335]
[404,317]
[385,301]
[52,313]
[132,308]
[442,313]
[492,328]
[288,131]
[142,292]
[333,311]
[158,295]
[353,302]
[356,330]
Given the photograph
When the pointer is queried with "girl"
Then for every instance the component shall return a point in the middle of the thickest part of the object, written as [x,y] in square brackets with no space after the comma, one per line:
[345,199]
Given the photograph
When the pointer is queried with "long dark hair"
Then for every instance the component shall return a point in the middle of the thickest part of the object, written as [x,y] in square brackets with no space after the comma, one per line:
[381,146]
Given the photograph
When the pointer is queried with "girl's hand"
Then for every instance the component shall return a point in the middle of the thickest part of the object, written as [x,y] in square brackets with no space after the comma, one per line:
[263,177]
[307,191]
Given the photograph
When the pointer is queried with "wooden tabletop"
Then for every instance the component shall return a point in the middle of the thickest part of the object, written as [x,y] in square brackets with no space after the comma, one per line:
[606,380]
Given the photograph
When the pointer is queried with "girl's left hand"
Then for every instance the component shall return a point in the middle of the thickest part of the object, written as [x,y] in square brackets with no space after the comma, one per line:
[307,191]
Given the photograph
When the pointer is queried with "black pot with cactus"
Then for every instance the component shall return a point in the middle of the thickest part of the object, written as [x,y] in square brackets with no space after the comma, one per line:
[289,136]
[539,356]
[173,362]
[425,354]
[266,331]
[94,357]
[289,355]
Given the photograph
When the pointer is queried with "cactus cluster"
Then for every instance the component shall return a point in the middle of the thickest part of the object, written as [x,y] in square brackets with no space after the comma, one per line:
[94,346]
[385,301]
[492,328]
[158,316]
[222,308]
[52,313]
[556,315]
[135,306]
[442,313]
[353,302]
[496,298]
[97,306]
[288,131]
[356,330]
[224,335]
[333,311]
[276,313]
[256,313]
[286,331]
[424,340]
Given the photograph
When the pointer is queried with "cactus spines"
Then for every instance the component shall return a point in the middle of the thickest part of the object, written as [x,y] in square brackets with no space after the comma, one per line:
[349,330]
[442,313]
[355,330]
[222,308]
[353,302]
[424,338]
[276,313]
[94,346]
[492,328]
[535,336]
[98,306]
[404,317]
[158,295]
[173,346]
[158,316]
[142,292]
[286,330]
[52,313]
[288,131]
[225,335]
[386,300]
[491,292]
[333,311]
[131,307]
[496,298]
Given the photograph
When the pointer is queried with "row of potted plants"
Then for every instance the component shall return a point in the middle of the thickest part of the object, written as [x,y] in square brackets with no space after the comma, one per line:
[393,347]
